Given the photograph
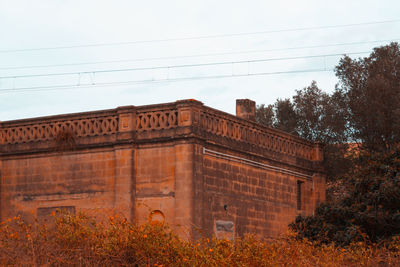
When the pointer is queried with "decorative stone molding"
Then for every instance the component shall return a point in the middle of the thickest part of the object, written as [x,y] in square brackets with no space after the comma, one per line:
[218,123]
[150,121]
[47,130]
[157,120]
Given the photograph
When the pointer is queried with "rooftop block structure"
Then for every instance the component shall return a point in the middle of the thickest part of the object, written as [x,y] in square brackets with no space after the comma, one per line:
[201,170]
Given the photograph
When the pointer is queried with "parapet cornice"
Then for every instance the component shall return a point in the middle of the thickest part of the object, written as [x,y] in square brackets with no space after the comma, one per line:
[152,123]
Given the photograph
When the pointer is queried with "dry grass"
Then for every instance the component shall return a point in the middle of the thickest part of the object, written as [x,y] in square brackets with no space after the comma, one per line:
[79,240]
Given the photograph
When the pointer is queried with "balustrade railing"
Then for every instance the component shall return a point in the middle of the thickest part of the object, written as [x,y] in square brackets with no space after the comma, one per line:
[156,120]
[152,118]
[48,130]
[251,133]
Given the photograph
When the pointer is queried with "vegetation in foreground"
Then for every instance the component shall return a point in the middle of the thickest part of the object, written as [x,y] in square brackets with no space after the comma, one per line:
[370,209]
[359,126]
[80,240]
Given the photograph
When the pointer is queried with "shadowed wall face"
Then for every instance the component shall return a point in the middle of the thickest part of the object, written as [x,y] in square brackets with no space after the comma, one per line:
[251,198]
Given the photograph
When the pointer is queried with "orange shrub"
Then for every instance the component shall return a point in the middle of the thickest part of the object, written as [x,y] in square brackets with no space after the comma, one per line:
[80,240]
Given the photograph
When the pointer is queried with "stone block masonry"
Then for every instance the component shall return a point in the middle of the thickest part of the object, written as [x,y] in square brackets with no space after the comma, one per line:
[200,170]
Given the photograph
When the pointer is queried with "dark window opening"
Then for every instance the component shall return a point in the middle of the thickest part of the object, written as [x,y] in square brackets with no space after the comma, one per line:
[299,195]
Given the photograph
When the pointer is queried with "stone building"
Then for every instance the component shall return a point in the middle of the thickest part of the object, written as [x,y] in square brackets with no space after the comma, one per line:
[195,167]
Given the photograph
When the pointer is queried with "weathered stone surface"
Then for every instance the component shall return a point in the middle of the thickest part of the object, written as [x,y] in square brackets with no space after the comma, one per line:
[198,167]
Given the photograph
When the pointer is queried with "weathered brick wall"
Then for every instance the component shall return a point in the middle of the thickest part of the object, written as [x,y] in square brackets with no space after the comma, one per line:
[164,183]
[160,162]
[75,161]
[247,177]
[256,200]
[88,180]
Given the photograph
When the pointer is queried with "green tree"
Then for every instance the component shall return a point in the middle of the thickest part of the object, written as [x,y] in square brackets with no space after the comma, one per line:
[370,210]
[312,114]
[285,116]
[310,107]
[367,100]
[315,116]
[370,88]
[265,114]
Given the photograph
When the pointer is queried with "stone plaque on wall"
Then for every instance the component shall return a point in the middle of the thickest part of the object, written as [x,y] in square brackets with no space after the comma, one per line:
[224,229]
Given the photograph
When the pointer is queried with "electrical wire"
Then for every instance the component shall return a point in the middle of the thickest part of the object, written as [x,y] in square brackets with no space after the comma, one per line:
[198,55]
[200,37]
[74,86]
[176,66]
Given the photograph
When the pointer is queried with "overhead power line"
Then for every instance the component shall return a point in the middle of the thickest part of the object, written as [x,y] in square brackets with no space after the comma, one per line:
[75,86]
[197,55]
[201,37]
[176,66]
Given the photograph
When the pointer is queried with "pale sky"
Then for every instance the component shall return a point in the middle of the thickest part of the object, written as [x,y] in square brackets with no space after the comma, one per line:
[91,40]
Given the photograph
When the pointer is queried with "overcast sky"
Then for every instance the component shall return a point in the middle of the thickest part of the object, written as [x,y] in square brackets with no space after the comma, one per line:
[116,53]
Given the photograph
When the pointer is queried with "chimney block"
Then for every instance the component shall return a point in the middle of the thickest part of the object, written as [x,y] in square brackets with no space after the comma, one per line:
[246,109]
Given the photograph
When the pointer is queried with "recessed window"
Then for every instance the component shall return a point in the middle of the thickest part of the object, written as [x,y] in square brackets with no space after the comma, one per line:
[300,195]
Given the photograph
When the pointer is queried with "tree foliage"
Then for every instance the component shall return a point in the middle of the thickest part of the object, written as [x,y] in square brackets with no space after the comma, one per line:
[265,115]
[286,116]
[370,88]
[369,212]
[315,116]
[312,114]
[364,107]
[362,112]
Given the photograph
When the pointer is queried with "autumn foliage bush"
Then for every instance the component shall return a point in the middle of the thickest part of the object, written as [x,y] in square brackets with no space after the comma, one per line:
[80,240]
